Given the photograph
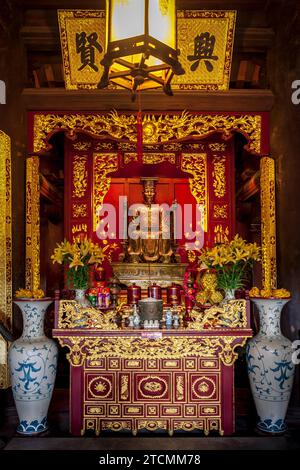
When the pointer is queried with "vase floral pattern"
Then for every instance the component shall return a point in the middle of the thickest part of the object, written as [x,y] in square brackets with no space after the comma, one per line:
[81,298]
[270,367]
[32,363]
[229,295]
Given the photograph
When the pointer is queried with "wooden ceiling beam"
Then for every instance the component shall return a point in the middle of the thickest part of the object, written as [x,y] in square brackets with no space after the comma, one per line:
[181,4]
[104,100]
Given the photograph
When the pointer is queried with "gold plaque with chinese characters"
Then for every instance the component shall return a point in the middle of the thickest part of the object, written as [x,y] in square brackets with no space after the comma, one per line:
[205,40]
[82,36]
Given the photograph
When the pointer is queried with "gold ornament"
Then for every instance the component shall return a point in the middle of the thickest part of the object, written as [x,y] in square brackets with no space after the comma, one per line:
[138,348]
[71,313]
[83,146]
[196,164]
[80,176]
[103,165]
[79,210]
[268,223]
[233,314]
[156,128]
[220,211]
[217,147]
[208,293]
[5,252]
[32,223]
[219,176]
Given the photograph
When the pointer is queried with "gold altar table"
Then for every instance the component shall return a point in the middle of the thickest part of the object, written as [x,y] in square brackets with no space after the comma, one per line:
[172,380]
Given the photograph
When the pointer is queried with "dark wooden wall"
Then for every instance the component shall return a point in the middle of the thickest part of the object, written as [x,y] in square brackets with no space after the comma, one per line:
[13,122]
[284,68]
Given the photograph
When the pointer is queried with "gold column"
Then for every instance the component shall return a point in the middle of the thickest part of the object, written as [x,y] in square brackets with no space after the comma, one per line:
[268,223]
[5,251]
[32,223]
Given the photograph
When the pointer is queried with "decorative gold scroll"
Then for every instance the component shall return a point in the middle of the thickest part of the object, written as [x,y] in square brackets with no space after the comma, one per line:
[268,223]
[80,176]
[221,234]
[150,158]
[103,165]
[217,147]
[220,211]
[219,176]
[79,210]
[195,163]
[129,348]
[5,251]
[156,128]
[205,40]
[82,36]
[32,223]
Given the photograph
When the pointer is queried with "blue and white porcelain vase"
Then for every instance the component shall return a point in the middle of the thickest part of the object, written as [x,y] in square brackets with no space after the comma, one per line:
[32,363]
[270,367]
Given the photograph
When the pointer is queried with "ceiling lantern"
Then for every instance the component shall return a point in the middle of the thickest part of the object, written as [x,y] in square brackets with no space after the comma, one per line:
[141,45]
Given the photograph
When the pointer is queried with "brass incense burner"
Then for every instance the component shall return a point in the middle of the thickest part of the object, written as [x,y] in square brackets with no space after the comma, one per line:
[151,309]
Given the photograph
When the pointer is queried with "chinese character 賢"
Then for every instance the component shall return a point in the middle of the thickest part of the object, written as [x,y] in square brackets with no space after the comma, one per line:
[204,45]
[86,46]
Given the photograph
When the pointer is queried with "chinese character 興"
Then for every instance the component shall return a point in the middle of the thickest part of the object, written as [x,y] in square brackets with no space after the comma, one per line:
[204,45]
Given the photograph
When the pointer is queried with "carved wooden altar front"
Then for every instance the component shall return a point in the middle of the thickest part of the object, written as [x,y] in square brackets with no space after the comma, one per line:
[132,380]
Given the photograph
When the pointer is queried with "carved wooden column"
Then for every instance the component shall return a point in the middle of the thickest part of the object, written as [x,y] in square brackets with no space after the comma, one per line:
[5,251]
[32,223]
[268,223]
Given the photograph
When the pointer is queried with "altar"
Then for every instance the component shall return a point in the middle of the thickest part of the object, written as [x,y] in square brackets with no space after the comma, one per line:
[145,202]
[135,380]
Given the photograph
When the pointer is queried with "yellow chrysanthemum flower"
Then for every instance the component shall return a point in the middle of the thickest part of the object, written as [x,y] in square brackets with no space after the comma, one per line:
[254,292]
[38,294]
[24,293]
[216,297]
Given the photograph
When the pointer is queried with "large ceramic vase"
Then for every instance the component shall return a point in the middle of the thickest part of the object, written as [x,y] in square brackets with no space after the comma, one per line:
[270,367]
[32,363]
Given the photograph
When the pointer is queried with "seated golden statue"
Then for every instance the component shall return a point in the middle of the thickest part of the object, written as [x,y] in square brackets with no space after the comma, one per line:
[153,244]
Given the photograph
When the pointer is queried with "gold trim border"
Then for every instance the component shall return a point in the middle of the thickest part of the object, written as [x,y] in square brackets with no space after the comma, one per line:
[130,348]
[103,165]
[63,17]
[196,164]
[183,17]
[5,250]
[268,223]
[32,223]
[156,128]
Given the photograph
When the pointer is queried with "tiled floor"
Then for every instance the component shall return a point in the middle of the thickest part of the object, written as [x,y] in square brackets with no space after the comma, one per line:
[58,437]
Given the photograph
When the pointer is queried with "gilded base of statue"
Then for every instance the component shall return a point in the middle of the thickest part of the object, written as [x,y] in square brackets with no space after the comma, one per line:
[143,274]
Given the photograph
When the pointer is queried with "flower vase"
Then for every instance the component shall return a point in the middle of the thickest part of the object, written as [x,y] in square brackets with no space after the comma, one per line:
[81,298]
[32,362]
[270,367]
[229,295]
